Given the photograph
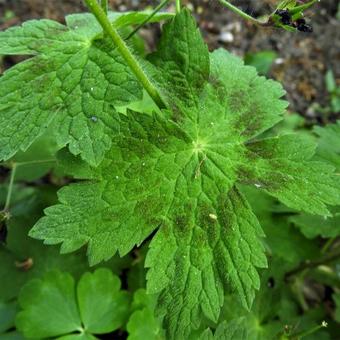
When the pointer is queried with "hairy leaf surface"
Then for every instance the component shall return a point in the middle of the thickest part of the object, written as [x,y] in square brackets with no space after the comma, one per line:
[74,81]
[235,329]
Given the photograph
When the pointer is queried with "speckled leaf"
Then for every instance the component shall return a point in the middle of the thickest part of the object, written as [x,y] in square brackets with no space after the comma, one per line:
[73,82]
[178,172]
[182,59]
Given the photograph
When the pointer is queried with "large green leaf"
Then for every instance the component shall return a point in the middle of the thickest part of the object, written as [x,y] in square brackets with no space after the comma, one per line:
[73,83]
[178,171]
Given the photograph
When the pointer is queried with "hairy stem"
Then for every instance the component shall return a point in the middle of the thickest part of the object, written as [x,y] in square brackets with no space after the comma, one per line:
[105,5]
[327,245]
[297,288]
[239,12]
[309,331]
[178,6]
[129,58]
[157,9]
[312,264]
[10,187]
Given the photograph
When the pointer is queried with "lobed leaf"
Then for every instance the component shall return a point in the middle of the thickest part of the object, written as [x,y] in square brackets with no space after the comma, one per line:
[179,171]
[74,82]
[52,308]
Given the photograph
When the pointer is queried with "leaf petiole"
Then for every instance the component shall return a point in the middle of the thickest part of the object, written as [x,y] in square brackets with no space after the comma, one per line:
[310,331]
[124,51]
[241,13]
[104,4]
[312,264]
[10,187]
[155,11]
[178,6]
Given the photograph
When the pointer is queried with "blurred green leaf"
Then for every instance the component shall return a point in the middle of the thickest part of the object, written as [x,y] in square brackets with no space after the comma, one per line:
[143,323]
[24,258]
[312,226]
[329,144]
[330,81]
[262,61]
[38,160]
[336,298]
[7,315]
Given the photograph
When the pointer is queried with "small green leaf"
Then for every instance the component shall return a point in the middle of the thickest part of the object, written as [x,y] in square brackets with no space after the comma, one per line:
[87,24]
[330,81]
[286,4]
[262,61]
[103,306]
[51,306]
[313,226]
[142,323]
[336,298]
[7,315]
[135,18]
[38,159]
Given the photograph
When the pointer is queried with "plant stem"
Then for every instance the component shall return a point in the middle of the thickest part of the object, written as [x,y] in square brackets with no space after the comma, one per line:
[297,289]
[313,264]
[18,164]
[105,5]
[327,245]
[10,187]
[157,9]
[239,12]
[129,58]
[178,6]
[310,331]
